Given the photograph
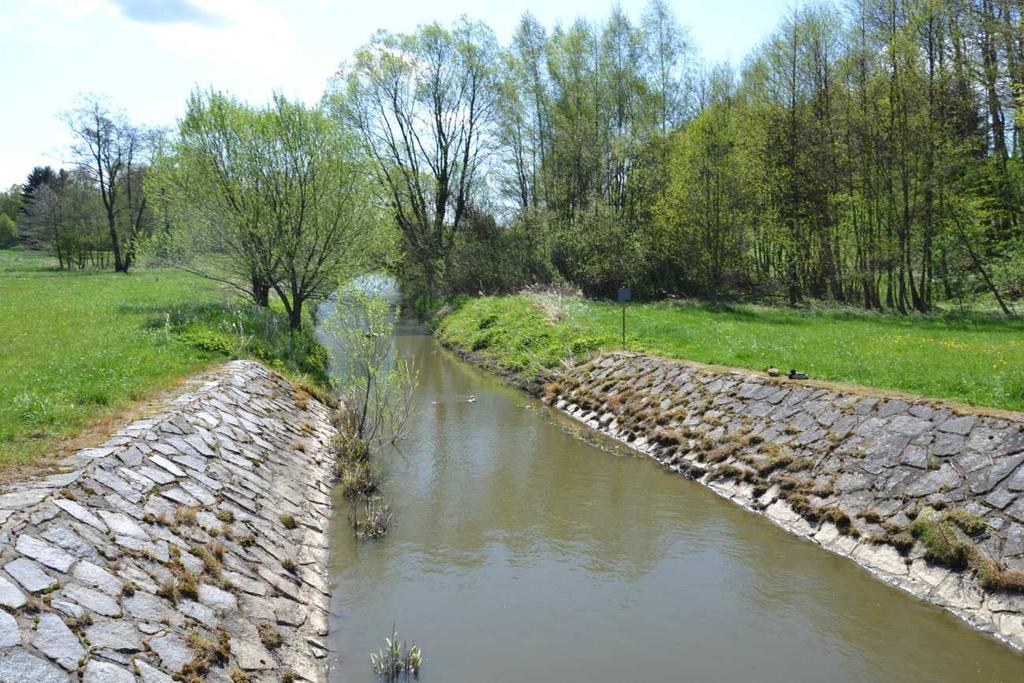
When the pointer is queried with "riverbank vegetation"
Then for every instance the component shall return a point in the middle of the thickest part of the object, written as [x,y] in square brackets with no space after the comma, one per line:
[77,347]
[977,360]
[376,390]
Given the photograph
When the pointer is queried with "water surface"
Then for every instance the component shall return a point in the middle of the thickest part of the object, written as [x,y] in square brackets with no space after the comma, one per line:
[522,553]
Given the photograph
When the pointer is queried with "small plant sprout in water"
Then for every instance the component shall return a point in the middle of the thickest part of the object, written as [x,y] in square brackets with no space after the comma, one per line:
[375,520]
[395,659]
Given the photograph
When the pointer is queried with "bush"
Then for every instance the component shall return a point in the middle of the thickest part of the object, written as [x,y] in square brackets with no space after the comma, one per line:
[8,231]
[241,330]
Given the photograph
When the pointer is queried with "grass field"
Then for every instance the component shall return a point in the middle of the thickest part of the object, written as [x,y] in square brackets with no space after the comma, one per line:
[979,360]
[75,347]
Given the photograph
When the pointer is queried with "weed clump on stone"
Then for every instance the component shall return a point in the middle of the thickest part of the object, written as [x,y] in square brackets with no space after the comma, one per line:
[870,516]
[289,565]
[288,521]
[211,561]
[226,516]
[238,676]
[996,578]
[943,545]
[168,590]
[774,463]
[185,516]
[840,519]
[269,636]
[970,524]
[205,654]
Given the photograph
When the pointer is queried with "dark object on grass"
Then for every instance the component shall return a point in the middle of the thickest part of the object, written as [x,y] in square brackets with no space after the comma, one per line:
[794,374]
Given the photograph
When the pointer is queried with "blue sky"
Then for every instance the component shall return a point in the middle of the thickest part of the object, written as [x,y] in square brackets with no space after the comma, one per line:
[147,55]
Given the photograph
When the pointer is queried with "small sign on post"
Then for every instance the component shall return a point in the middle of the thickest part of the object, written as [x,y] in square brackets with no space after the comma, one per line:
[625,295]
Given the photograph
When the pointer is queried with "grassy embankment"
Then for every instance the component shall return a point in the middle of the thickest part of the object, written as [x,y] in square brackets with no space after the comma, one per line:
[979,361]
[77,349]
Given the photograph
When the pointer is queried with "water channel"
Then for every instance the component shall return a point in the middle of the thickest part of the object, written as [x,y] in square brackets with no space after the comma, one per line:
[523,552]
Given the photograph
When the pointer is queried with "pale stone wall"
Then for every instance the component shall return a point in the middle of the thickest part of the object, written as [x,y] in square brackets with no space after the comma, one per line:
[804,455]
[89,555]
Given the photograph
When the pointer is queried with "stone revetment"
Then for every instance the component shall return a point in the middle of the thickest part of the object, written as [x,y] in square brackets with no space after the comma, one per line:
[850,470]
[192,544]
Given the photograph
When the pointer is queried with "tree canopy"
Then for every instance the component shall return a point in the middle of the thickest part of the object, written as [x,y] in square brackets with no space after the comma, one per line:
[275,198]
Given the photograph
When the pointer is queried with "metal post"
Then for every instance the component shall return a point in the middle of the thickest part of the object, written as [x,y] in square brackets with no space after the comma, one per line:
[623,326]
[624,296]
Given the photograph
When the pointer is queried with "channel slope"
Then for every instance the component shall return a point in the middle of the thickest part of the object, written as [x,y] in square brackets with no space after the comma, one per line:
[192,544]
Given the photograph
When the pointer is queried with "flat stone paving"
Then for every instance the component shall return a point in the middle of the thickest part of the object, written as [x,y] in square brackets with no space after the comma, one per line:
[878,459]
[204,525]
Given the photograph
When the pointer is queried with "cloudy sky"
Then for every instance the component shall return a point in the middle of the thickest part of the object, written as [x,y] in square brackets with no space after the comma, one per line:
[147,55]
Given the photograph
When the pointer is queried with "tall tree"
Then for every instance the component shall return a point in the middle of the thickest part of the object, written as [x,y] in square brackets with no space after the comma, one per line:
[113,152]
[423,105]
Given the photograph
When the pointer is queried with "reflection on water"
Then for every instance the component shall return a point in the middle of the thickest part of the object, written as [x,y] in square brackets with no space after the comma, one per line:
[521,553]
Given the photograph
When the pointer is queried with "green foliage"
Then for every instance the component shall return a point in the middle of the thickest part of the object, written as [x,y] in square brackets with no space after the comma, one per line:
[8,231]
[396,658]
[518,334]
[209,340]
[971,359]
[375,384]
[266,198]
[243,330]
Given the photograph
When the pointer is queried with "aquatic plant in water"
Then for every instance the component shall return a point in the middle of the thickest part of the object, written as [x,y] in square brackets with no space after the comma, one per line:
[395,659]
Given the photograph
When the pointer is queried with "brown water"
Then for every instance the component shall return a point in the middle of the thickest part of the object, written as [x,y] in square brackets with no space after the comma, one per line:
[523,553]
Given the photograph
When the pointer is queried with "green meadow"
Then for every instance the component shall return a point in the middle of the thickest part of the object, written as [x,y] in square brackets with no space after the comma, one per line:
[975,360]
[76,347]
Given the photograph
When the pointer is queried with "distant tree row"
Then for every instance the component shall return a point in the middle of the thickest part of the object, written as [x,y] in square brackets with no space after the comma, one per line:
[868,155]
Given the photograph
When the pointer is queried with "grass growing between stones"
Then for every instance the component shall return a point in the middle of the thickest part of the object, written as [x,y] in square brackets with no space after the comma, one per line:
[944,536]
[78,348]
[975,360]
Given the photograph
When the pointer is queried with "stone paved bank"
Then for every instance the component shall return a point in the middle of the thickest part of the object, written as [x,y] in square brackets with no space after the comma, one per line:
[194,540]
[848,471]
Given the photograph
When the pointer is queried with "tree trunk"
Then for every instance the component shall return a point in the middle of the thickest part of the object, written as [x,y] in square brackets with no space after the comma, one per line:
[260,291]
[295,314]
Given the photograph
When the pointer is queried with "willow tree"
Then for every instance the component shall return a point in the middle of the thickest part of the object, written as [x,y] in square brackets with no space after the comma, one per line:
[273,198]
[423,104]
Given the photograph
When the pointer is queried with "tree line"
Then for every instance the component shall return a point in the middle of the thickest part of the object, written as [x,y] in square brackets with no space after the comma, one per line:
[867,154]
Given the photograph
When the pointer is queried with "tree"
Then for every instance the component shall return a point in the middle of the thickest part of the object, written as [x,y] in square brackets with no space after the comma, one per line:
[40,175]
[423,104]
[65,216]
[270,198]
[10,208]
[113,153]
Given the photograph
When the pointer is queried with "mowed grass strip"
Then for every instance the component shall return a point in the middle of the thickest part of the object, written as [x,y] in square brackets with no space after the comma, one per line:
[973,360]
[74,345]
